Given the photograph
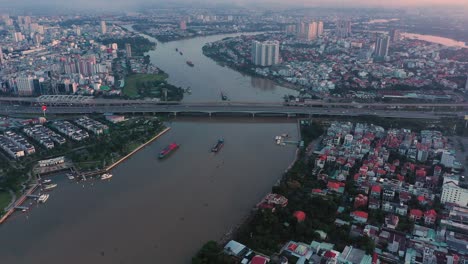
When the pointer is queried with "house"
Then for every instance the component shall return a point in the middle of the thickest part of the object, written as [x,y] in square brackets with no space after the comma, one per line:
[388,195]
[359,216]
[421,200]
[404,197]
[388,207]
[259,260]
[374,203]
[391,221]
[415,214]
[297,249]
[360,201]
[395,241]
[430,217]
[337,187]
[375,191]
[353,255]
[401,209]
[235,248]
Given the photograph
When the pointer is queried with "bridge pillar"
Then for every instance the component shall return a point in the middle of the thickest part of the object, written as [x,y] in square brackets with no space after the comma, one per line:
[253,115]
[209,114]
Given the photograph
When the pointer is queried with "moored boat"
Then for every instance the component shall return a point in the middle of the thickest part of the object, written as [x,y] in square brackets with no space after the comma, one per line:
[218,145]
[106,176]
[190,63]
[50,186]
[47,181]
[168,150]
[43,198]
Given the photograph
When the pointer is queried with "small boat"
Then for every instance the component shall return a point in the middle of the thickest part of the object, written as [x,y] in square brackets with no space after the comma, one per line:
[176,49]
[47,181]
[71,177]
[181,53]
[168,150]
[190,63]
[106,176]
[43,198]
[218,145]
[50,186]
[223,96]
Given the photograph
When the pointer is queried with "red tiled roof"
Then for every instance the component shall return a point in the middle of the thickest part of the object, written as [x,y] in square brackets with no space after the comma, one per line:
[259,260]
[416,212]
[376,188]
[430,213]
[330,254]
[300,216]
[360,214]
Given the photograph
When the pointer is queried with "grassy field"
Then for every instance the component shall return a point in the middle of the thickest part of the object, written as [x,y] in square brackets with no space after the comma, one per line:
[4,200]
[133,82]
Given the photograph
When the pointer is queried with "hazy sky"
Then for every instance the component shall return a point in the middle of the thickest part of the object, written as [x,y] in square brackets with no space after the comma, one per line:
[293,3]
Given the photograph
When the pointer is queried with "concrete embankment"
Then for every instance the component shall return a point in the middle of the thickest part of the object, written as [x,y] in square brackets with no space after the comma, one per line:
[137,149]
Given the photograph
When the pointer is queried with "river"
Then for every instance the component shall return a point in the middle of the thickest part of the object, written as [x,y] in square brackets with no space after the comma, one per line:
[437,40]
[208,78]
[155,211]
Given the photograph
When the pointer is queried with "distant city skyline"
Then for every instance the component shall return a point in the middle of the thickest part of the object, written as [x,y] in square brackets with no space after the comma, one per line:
[113,4]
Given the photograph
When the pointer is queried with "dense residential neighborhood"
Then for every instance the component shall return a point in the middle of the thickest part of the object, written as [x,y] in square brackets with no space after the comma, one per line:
[398,197]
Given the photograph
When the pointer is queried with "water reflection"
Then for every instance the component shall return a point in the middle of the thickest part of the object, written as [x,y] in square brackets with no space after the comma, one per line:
[262,84]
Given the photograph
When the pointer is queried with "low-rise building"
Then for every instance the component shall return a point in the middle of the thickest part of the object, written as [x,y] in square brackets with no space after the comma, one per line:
[359,216]
[70,130]
[92,125]
[21,142]
[10,148]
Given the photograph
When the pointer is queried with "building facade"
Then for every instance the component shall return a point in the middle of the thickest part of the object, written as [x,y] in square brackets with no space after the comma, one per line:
[381,46]
[265,53]
[453,193]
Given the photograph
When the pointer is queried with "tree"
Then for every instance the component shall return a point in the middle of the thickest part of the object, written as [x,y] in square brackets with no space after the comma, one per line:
[211,253]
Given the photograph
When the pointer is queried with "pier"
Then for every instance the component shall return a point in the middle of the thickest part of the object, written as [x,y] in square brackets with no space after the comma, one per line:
[18,203]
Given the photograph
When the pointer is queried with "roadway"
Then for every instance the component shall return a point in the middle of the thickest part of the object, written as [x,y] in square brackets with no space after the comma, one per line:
[227,108]
[74,100]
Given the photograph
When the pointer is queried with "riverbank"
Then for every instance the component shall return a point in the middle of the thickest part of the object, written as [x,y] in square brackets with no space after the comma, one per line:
[249,72]
[151,86]
[138,149]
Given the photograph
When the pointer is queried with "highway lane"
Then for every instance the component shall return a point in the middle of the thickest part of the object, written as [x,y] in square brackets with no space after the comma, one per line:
[226,108]
[118,102]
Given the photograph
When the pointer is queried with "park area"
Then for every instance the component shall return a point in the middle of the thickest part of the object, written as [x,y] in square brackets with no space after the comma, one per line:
[151,86]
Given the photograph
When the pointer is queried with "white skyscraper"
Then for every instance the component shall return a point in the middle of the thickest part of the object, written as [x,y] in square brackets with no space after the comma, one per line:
[1,56]
[103,27]
[343,28]
[265,53]
[25,85]
[78,31]
[381,46]
[466,83]
[320,28]
[311,31]
[128,50]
